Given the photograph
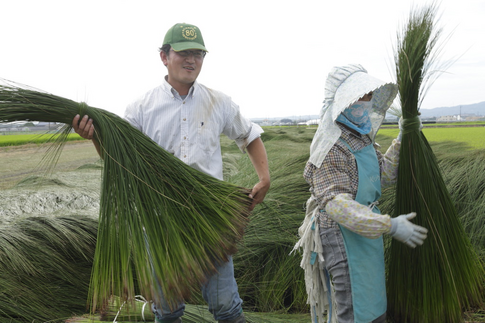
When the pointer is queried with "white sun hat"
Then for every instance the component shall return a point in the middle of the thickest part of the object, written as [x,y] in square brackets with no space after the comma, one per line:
[344,86]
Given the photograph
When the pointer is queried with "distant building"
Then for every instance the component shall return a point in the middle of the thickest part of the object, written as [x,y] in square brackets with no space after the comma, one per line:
[473,118]
[449,118]
[34,126]
[313,122]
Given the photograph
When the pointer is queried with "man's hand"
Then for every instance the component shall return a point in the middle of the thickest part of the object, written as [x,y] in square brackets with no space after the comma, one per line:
[258,193]
[259,159]
[83,127]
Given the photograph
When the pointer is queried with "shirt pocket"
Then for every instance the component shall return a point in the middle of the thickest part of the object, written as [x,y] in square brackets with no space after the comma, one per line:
[207,138]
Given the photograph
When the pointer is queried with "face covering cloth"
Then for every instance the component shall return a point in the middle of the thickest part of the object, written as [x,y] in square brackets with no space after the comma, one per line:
[343,87]
[357,117]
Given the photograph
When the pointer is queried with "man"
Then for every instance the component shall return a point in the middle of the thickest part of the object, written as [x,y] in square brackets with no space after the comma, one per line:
[186,119]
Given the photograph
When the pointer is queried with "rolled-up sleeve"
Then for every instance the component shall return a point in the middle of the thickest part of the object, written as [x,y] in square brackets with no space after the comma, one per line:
[240,129]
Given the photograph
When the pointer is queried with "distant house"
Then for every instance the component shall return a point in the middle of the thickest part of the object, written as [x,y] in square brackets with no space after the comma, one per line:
[313,122]
[34,126]
[474,118]
[449,118]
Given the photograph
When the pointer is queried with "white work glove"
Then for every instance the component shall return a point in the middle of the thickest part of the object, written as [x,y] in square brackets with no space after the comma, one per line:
[407,232]
[399,136]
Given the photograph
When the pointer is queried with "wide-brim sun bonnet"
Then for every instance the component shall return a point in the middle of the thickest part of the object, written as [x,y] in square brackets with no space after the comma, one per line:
[344,86]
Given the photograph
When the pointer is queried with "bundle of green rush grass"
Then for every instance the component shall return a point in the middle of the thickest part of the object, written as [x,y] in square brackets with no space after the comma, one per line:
[45,263]
[269,278]
[160,221]
[436,281]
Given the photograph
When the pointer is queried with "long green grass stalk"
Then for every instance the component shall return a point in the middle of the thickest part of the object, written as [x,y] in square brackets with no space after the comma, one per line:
[270,279]
[436,281]
[45,264]
[465,179]
[160,220]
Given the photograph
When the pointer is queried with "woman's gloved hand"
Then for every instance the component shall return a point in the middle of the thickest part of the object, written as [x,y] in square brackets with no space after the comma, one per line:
[405,231]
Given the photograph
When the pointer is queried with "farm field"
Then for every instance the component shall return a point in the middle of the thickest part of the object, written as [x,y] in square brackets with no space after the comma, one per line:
[272,287]
[473,137]
[22,139]
[24,160]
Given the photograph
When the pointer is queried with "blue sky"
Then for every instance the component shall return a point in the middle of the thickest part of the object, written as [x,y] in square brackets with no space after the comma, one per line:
[271,57]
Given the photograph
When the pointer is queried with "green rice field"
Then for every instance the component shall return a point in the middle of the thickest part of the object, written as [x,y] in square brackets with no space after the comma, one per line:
[471,134]
[473,137]
[22,139]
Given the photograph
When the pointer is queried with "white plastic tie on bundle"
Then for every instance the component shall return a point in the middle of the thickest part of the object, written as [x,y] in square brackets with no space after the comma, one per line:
[373,205]
[138,298]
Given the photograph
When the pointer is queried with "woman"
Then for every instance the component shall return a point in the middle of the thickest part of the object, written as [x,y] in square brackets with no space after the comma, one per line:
[346,173]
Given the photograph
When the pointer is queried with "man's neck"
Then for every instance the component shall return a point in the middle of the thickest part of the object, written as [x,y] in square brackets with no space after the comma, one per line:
[181,88]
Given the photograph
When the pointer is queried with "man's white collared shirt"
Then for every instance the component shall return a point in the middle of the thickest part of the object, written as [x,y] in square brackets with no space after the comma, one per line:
[190,127]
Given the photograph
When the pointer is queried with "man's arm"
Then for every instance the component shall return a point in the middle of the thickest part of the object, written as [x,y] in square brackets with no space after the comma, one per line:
[259,159]
[84,127]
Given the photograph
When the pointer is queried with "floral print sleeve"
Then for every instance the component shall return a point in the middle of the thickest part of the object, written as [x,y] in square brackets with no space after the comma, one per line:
[389,165]
[357,217]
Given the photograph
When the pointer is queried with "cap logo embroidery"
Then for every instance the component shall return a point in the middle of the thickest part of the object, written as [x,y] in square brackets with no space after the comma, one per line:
[189,33]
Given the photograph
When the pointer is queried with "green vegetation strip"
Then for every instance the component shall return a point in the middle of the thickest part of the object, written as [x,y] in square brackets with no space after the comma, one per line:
[16,140]
[474,137]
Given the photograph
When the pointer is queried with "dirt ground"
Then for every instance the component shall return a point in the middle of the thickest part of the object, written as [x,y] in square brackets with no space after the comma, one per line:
[28,188]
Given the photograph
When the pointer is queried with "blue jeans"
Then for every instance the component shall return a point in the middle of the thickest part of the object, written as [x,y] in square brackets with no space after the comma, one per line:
[337,266]
[220,292]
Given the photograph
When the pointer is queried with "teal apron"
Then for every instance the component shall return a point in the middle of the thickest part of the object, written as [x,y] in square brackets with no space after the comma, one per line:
[366,256]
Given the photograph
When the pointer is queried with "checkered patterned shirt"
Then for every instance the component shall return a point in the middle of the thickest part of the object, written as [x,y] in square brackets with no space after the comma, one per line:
[338,173]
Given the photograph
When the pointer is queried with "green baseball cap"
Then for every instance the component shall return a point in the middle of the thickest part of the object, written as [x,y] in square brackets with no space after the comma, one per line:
[184,37]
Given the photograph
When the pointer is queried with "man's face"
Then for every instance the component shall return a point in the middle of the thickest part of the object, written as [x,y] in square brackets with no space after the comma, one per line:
[183,67]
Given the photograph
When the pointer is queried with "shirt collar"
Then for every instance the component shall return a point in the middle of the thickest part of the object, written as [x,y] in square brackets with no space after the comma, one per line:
[169,89]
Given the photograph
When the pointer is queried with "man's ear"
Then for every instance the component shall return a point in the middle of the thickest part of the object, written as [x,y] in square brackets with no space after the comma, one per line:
[164,57]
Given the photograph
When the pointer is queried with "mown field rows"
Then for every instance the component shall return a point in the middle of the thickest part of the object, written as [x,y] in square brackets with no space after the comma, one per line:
[270,280]
[19,162]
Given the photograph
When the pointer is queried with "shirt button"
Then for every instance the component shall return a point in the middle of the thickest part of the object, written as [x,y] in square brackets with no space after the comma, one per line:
[184,119]
[185,138]
[185,156]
